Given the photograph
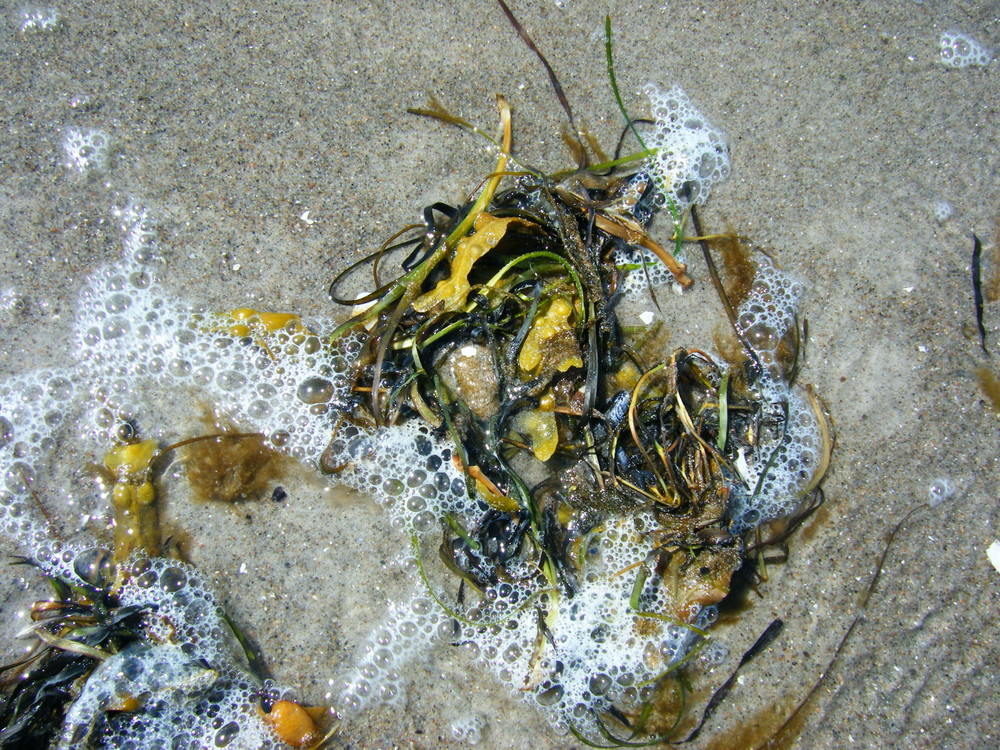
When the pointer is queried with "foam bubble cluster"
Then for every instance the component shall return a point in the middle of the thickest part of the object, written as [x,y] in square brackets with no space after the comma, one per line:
[32,407]
[768,316]
[86,150]
[646,271]
[602,652]
[959,50]
[942,210]
[691,158]
[788,457]
[468,729]
[691,153]
[34,18]
[407,630]
[940,490]
[787,461]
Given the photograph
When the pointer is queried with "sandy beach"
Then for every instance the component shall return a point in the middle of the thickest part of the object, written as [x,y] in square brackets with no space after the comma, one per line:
[273,147]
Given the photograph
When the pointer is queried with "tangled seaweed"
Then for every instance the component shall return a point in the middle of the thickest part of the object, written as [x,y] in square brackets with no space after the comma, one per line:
[605,492]
[500,331]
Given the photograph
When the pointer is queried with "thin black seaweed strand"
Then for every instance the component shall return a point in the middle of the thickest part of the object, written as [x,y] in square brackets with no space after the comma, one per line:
[556,86]
[763,641]
[858,616]
[977,290]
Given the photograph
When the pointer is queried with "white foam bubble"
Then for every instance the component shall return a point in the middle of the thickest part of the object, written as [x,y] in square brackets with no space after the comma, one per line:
[691,153]
[768,314]
[408,628]
[959,50]
[942,210]
[645,272]
[468,729]
[86,150]
[940,490]
[37,18]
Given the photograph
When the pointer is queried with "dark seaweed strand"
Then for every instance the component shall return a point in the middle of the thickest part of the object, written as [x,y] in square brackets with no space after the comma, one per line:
[36,695]
[721,291]
[556,86]
[630,123]
[770,633]
[614,83]
[977,290]
[858,616]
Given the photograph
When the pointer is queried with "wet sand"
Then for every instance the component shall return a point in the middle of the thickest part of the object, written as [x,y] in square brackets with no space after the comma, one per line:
[273,146]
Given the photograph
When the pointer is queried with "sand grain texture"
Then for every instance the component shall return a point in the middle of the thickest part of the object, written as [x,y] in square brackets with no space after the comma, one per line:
[844,130]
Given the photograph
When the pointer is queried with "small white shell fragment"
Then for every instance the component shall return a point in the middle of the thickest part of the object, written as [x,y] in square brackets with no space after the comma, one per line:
[993,553]
[742,466]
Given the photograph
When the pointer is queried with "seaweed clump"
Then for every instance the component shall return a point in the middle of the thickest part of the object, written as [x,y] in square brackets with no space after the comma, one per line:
[77,629]
[141,649]
[613,489]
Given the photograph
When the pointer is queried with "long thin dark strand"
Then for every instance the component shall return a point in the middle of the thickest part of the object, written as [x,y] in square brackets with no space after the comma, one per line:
[854,623]
[609,54]
[557,87]
[721,290]
[977,289]
[763,641]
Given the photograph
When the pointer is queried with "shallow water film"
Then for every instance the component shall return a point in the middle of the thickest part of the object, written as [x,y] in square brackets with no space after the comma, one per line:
[167,173]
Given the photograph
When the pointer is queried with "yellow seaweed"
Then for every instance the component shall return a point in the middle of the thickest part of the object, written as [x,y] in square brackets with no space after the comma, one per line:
[549,325]
[450,293]
[540,426]
[137,524]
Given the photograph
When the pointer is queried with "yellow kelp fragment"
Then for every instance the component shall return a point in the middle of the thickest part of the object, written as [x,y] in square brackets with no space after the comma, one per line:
[540,426]
[264,328]
[252,322]
[551,337]
[137,525]
[624,378]
[490,492]
[450,293]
